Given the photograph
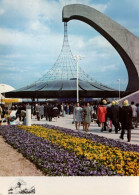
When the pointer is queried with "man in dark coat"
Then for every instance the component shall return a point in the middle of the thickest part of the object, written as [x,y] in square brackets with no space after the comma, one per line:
[126,120]
[50,111]
[114,116]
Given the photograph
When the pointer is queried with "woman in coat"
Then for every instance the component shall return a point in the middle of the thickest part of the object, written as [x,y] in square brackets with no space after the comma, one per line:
[42,111]
[77,116]
[87,112]
[101,114]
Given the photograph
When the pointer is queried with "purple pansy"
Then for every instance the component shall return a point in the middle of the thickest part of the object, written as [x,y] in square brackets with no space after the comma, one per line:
[50,158]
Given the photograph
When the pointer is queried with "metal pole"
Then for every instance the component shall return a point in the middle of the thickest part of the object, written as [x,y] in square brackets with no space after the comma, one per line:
[119,88]
[77,58]
[77,81]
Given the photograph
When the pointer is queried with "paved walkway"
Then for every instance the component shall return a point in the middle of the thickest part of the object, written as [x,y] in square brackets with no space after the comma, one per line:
[67,123]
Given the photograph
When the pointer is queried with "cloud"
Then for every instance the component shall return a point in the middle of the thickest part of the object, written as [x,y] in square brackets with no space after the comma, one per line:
[31,9]
[14,38]
[1,64]
[28,41]
[99,6]
[24,14]
[99,41]
[37,26]
[13,56]
[32,34]
[90,44]
[2,11]
[96,50]
[115,84]
[111,67]
[125,13]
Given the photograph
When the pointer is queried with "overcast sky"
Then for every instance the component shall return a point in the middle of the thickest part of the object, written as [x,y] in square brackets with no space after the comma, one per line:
[31,37]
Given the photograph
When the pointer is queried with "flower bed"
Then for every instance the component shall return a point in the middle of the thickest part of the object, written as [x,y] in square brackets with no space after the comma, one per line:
[117,160]
[100,139]
[51,158]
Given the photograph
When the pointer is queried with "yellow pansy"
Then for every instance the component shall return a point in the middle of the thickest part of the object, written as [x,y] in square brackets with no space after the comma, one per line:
[124,162]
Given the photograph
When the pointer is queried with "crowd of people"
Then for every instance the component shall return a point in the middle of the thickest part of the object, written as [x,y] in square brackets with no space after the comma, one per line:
[106,115]
[48,111]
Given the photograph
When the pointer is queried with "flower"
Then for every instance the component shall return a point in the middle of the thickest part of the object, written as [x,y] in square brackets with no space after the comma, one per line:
[112,157]
[52,159]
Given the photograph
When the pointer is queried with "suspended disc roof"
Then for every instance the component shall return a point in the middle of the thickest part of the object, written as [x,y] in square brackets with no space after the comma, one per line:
[60,80]
[65,88]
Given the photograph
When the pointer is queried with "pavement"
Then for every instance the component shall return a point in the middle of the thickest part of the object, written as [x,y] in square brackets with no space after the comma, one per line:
[94,129]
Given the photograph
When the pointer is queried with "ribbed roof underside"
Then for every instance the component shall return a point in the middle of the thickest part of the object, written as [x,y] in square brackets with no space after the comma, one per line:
[66,88]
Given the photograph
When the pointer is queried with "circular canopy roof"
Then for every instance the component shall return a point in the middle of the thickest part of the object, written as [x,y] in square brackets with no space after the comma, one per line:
[63,89]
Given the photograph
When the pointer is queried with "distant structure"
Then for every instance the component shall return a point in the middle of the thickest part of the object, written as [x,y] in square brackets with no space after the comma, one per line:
[126,43]
[60,80]
[3,89]
[65,67]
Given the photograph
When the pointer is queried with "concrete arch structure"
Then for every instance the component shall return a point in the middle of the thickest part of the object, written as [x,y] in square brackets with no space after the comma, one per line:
[126,43]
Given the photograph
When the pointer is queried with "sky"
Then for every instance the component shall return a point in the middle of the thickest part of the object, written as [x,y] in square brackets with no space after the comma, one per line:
[31,37]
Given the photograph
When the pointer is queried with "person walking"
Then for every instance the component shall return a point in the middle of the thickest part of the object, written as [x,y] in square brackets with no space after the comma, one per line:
[50,111]
[126,120]
[38,111]
[55,112]
[77,116]
[23,113]
[63,109]
[114,116]
[87,112]
[41,111]
[101,114]
[67,109]
[134,117]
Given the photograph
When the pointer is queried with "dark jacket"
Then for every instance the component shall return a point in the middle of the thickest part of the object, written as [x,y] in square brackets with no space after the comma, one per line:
[50,110]
[126,117]
[114,114]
